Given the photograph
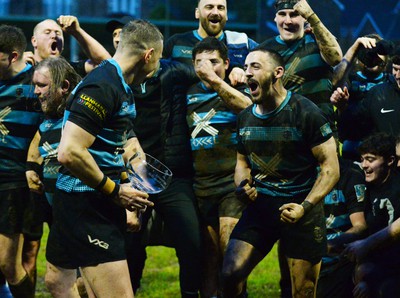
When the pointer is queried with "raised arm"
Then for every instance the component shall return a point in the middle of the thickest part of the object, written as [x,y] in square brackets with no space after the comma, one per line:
[329,47]
[234,99]
[91,47]
[342,70]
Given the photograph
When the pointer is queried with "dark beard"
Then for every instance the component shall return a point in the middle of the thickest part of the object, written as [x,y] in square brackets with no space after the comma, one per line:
[55,106]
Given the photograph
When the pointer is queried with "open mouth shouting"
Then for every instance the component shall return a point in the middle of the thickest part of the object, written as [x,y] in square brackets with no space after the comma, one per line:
[254,87]
[54,48]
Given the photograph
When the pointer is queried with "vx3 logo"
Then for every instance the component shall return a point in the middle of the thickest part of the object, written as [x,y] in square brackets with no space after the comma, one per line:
[98,242]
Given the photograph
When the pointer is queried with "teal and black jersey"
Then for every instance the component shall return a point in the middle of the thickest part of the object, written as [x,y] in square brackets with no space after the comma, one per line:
[212,126]
[306,73]
[50,135]
[103,105]
[20,116]
[278,145]
[179,46]
[345,198]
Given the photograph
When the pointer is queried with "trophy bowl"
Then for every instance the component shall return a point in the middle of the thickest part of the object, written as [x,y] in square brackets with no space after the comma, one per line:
[148,174]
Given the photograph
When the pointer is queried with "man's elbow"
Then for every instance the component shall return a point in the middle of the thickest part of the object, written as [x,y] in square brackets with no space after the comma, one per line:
[64,158]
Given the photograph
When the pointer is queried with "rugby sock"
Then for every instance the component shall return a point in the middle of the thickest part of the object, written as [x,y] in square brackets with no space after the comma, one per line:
[23,289]
[2,279]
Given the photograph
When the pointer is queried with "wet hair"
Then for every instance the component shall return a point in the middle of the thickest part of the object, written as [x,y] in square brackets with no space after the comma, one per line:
[210,44]
[60,71]
[274,55]
[380,144]
[12,39]
[140,35]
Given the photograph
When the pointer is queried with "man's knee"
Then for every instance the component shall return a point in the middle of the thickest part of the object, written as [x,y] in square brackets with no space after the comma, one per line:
[57,282]
[231,274]
[305,289]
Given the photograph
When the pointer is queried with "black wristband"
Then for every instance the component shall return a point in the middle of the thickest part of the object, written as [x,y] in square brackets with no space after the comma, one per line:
[307,206]
[115,191]
[33,166]
[101,184]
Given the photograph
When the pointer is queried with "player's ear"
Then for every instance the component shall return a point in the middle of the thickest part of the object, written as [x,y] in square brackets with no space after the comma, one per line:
[65,86]
[278,72]
[227,62]
[391,161]
[197,13]
[148,54]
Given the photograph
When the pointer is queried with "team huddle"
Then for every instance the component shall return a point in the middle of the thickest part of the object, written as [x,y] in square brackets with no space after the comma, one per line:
[286,142]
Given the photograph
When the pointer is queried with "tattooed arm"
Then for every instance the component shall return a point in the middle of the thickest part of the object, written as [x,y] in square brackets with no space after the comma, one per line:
[328,45]
[233,98]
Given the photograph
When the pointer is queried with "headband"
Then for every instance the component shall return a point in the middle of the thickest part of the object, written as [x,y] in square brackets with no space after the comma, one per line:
[285,5]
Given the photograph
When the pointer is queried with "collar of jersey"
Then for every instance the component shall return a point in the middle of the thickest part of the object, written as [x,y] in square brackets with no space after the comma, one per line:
[197,35]
[274,112]
[119,71]
[359,73]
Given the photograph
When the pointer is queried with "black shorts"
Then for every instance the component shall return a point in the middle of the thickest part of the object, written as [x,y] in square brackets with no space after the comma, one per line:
[88,229]
[260,225]
[14,206]
[225,205]
[39,212]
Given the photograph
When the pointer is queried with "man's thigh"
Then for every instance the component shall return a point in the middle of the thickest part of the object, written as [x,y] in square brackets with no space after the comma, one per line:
[13,206]
[11,247]
[88,229]
[109,279]
[303,274]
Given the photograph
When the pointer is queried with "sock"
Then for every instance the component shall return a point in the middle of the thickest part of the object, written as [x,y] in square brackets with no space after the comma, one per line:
[23,289]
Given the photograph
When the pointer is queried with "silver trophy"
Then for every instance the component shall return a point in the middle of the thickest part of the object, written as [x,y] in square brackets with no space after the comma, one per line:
[148,174]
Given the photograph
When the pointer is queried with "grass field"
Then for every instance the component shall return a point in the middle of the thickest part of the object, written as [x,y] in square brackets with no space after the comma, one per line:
[160,279]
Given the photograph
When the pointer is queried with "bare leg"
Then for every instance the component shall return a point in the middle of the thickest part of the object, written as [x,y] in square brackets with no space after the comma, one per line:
[109,279]
[240,259]
[11,257]
[212,263]
[304,277]
[29,256]
[61,282]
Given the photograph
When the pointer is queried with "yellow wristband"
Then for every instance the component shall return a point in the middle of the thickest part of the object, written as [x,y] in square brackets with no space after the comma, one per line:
[108,187]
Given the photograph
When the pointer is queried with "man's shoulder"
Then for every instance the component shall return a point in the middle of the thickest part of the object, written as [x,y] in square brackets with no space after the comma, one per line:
[183,36]
[269,42]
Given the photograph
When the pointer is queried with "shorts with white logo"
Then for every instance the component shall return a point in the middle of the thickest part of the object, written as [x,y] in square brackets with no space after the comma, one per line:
[88,229]
[260,225]
[13,209]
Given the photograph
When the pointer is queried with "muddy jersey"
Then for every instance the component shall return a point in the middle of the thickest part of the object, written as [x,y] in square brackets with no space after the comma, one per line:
[278,145]
[103,105]
[306,72]
[20,116]
[213,141]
